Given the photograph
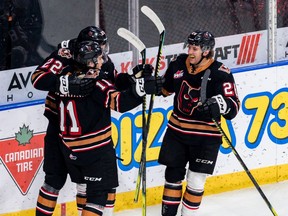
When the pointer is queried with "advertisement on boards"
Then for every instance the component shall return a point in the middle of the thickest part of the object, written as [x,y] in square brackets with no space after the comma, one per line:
[258,132]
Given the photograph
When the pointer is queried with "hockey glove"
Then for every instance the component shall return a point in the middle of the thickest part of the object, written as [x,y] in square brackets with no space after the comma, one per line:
[138,87]
[142,70]
[147,85]
[216,106]
[67,44]
[75,86]
[153,85]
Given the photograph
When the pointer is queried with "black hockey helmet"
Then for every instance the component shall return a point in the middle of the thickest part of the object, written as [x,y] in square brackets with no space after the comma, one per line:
[92,33]
[87,51]
[204,39]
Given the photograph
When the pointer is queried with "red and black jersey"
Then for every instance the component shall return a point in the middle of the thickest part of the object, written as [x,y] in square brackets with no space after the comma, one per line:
[61,62]
[185,83]
[86,122]
[45,78]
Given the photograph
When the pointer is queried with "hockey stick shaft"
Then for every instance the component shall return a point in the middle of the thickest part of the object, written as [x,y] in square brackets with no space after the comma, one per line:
[161,29]
[142,169]
[136,42]
[245,168]
[159,56]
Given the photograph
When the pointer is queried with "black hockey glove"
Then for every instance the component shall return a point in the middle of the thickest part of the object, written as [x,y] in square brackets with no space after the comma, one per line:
[67,44]
[142,70]
[147,85]
[215,106]
[75,86]
[153,85]
[143,82]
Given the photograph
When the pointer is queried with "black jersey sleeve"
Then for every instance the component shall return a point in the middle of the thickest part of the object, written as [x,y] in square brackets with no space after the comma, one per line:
[108,69]
[224,84]
[231,97]
[46,75]
[120,101]
[168,79]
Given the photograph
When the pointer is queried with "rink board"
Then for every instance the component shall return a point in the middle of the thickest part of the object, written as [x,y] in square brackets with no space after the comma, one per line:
[259,133]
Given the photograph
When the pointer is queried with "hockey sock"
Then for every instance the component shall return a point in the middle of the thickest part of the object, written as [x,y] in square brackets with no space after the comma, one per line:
[81,197]
[171,198]
[81,201]
[47,200]
[109,208]
[91,209]
[194,192]
[191,201]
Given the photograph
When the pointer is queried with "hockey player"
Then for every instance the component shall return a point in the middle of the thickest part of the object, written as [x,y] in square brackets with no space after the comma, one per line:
[54,165]
[108,72]
[85,124]
[57,74]
[191,136]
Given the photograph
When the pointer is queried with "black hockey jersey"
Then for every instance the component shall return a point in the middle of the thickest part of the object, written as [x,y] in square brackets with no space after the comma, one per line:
[86,122]
[60,62]
[185,83]
[45,77]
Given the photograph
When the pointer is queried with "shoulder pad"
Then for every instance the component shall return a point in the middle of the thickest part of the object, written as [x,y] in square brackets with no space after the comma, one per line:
[219,66]
[182,56]
[224,68]
[108,66]
[64,53]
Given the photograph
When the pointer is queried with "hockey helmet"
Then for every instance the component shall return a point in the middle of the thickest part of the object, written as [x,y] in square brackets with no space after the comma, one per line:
[204,39]
[93,33]
[88,51]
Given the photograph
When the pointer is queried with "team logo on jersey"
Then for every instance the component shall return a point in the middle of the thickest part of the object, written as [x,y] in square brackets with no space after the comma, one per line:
[188,98]
[72,157]
[22,156]
[224,68]
[178,74]
[65,53]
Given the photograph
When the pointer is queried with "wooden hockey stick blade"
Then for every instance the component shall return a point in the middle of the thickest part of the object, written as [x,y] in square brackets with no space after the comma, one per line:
[132,38]
[153,17]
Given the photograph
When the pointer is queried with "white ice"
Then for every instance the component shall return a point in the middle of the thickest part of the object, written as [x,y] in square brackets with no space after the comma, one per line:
[245,202]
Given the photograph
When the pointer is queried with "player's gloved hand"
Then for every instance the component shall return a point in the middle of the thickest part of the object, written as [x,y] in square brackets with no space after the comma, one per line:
[67,44]
[75,86]
[141,70]
[138,87]
[147,85]
[153,85]
[215,106]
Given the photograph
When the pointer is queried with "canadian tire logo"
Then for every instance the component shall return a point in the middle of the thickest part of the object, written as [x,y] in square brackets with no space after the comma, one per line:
[22,156]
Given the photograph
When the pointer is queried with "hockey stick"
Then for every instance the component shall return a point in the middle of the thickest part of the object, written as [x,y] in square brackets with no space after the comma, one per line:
[161,29]
[202,101]
[142,169]
[135,41]
[245,168]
